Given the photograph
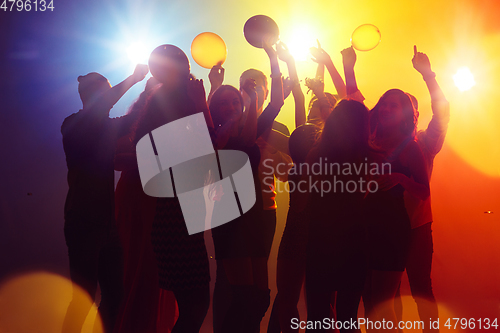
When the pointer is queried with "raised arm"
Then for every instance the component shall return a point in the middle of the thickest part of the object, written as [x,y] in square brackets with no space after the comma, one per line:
[440,106]
[298,95]
[277,99]
[321,57]
[349,60]
[216,78]
[249,132]
[196,92]
[266,118]
[113,95]
[318,88]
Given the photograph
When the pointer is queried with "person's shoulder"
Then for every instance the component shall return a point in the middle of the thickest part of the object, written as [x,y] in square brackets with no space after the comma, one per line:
[70,120]
[277,126]
[412,148]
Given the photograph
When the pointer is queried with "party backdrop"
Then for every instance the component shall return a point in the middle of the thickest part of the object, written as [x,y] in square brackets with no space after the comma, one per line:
[43,52]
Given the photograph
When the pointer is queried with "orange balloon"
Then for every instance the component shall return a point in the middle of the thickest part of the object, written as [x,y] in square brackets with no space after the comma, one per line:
[366,37]
[208,49]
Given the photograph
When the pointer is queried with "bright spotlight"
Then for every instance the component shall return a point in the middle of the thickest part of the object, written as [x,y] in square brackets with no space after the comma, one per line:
[138,53]
[464,80]
[300,43]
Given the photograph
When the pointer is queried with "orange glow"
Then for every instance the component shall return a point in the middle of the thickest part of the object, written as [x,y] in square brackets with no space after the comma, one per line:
[37,302]
[411,322]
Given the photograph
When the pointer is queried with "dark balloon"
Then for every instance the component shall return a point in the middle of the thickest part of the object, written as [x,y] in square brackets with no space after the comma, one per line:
[257,26]
[168,60]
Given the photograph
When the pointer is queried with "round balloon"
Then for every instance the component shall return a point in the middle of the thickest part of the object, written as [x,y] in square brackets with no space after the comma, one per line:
[257,27]
[168,62]
[208,49]
[366,37]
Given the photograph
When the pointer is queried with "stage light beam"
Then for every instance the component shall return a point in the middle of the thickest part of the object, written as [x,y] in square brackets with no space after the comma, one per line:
[138,53]
[299,46]
[464,80]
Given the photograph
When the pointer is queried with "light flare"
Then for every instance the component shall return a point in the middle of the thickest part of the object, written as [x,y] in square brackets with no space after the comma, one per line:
[138,53]
[464,79]
[302,39]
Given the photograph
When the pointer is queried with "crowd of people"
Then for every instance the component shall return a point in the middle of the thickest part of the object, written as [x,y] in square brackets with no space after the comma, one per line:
[342,245]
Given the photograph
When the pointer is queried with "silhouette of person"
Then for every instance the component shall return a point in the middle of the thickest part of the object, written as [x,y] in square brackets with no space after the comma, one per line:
[336,254]
[143,301]
[182,258]
[392,126]
[392,129]
[430,141]
[241,246]
[292,250]
[89,141]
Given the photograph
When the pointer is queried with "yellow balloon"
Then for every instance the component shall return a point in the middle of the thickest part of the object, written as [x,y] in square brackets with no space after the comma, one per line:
[208,49]
[366,37]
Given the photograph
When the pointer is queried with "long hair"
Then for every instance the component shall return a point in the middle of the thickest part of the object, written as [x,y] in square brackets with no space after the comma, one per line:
[141,101]
[163,106]
[215,102]
[345,134]
[409,123]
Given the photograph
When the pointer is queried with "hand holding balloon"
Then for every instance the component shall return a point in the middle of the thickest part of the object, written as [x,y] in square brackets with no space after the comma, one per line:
[267,45]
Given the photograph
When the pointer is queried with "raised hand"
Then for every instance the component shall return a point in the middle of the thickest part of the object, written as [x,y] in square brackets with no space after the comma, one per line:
[421,63]
[283,52]
[288,85]
[316,85]
[348,57]
[320,56]
[268,47]
[140,72]
[196,90]
[216,76]
[250,87]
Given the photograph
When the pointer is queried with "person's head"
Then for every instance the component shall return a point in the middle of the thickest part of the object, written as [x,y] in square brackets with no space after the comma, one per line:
[261,85]
[414,101]
[91,86]
[151,85]
[169,65]
[226,103]
[314,110]
[346,130]
[393,112]
[302,140]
